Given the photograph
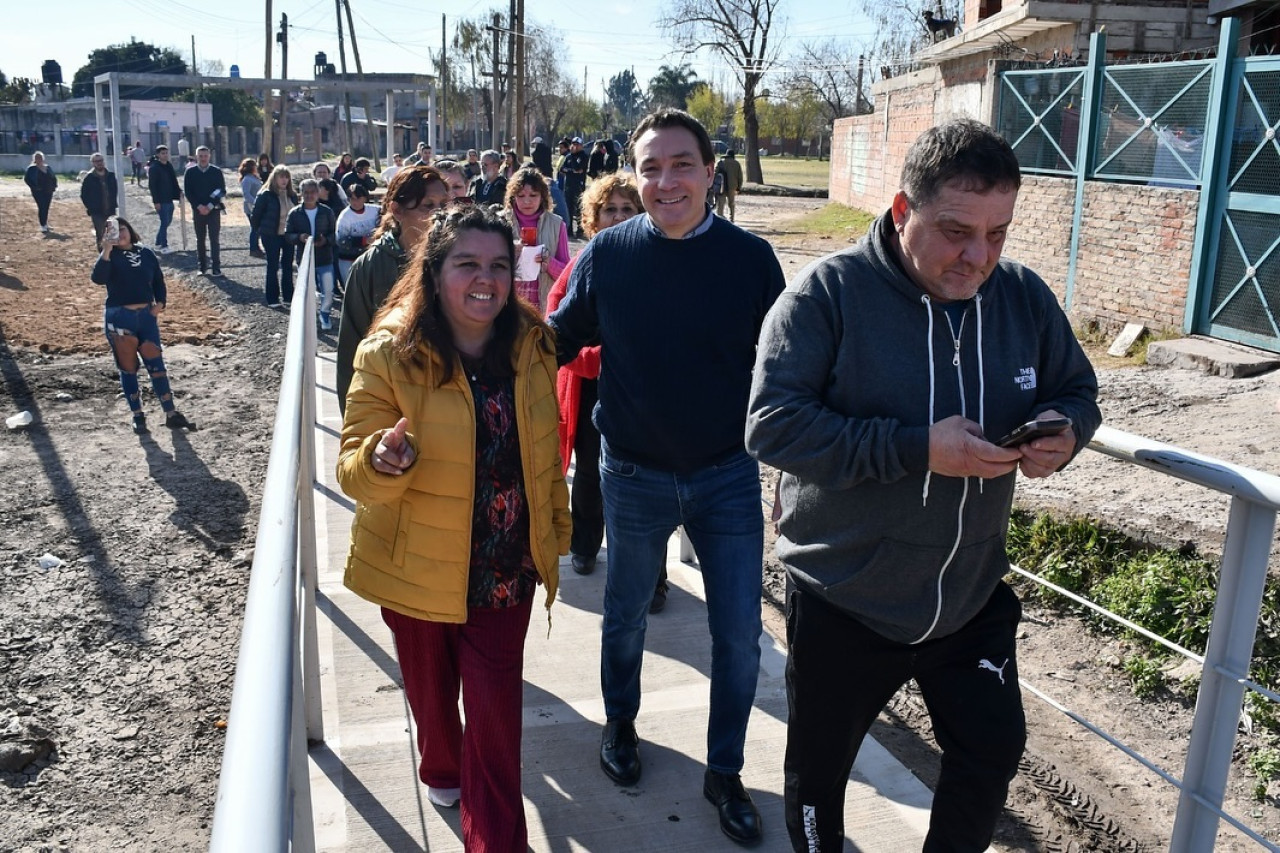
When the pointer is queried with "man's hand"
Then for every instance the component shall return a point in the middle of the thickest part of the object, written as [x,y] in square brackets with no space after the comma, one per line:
[156,308]
[957,449]
[156,206]
[1043,456]
[393,454]
[204,209]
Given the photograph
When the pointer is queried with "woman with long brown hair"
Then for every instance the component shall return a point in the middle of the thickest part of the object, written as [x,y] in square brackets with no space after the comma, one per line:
[413,197]
[449,446]
[269,217]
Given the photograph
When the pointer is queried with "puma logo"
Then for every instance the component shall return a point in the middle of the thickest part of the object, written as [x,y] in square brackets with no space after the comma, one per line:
[998,670]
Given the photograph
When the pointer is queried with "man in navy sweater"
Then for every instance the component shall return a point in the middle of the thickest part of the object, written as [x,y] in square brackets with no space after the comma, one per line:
[205,188]
[677,298]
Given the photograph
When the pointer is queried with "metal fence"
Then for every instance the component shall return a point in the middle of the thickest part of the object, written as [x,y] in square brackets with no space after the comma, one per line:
[264,795]
[1149,124]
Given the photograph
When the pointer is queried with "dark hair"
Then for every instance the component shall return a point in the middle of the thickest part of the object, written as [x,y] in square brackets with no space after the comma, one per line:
[407,189]
[264,156]
[416,295]
[527,176]
[362,163]
[134,239]
[358,190]
[672,117]
[248,167]
[963,151]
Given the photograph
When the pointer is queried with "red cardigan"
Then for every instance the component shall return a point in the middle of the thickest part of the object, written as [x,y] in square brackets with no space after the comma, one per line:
[569,378]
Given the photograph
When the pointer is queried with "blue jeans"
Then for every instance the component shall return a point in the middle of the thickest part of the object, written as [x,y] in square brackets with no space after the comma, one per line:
[324,286]
[166,216]
[719,507]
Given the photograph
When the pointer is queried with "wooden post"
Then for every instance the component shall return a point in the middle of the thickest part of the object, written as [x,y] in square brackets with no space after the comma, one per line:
[364,96]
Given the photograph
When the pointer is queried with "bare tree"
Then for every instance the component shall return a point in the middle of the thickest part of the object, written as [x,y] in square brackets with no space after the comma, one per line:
[828,70]
[739,31]
[547,87]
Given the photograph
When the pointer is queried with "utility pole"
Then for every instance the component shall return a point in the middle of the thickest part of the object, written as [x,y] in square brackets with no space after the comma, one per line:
[283,136]
[444,86]
[857,104]
[266,93]
[511,60]
[519,143]
[342,56]
[497,21]
[364,96]
[199,92]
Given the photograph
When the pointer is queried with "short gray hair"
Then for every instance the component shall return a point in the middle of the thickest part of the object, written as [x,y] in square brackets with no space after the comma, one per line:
[309,184]
[491,155]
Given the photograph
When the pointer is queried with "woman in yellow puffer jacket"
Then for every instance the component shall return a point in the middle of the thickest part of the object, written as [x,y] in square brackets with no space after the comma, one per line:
[450,448]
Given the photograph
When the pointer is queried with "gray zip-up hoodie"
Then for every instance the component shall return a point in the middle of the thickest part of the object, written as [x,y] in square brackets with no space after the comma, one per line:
[855,362]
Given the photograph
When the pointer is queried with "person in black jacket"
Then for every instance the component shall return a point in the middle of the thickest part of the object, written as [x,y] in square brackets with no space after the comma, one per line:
[574,170]
[42,181]
[162,181]
[315,222]
[135,297]
[359,175]
[490,187]
[98,193]
[270,218]
[205,189]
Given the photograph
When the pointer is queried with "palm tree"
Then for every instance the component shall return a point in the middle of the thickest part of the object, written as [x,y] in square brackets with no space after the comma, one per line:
[671,86]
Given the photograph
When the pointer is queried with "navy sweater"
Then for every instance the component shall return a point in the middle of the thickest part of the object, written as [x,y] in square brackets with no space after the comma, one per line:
[678,321]
[199,185]
[132,277]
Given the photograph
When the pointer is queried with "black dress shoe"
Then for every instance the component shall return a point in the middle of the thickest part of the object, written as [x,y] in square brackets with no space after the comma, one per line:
[583,565]
[739,818]
[620,752]
[659,601]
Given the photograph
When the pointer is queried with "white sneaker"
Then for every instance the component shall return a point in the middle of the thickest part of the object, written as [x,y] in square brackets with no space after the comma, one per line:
[445,798]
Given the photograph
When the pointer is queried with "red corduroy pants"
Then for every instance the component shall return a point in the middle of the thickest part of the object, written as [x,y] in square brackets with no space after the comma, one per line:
[485,657]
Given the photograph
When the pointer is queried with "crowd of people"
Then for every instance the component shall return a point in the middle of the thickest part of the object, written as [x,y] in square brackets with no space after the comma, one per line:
[476,357]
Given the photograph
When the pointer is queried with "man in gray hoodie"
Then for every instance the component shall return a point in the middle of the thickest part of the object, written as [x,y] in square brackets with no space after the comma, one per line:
[883,376]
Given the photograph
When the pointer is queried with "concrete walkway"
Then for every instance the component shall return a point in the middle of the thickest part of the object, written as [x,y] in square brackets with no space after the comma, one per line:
[364,786]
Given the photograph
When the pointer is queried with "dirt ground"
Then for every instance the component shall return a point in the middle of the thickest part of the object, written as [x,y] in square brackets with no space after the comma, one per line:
[116,663]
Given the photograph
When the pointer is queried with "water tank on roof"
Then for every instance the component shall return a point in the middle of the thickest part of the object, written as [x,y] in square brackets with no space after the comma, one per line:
[235,72]
[51,72]
[321,63]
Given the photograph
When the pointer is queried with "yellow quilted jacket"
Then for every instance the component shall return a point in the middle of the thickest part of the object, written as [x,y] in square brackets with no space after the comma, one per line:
[411,538]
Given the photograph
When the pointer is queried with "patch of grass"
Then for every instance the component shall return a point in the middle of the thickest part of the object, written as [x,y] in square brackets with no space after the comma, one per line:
[1265,763]
[834,220]
[1145,675]
[1171,593]
[795,171]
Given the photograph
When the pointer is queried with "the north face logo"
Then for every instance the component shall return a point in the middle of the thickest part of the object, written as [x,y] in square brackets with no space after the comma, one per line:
[1026,378]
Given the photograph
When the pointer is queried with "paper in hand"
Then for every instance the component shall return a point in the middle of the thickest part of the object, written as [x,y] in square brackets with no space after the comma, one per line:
[527,267]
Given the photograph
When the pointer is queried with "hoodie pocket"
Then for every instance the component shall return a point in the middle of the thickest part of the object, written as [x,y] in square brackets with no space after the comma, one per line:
[910,592]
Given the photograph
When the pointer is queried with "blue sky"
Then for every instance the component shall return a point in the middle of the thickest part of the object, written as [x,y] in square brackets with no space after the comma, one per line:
[600,38]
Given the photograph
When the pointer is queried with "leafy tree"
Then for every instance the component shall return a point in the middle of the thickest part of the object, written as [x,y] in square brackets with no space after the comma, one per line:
[625,98]
[739,32]
[21,90]
[231,107]
[671,87]
[582,116]
[136,57]
[709,107]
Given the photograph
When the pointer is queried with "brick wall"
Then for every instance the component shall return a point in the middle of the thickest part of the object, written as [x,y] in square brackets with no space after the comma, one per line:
[1135,248]
[1135,254]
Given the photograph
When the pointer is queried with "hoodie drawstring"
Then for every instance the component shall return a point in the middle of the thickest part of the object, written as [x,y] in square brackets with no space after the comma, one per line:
[928,310]
[982,378]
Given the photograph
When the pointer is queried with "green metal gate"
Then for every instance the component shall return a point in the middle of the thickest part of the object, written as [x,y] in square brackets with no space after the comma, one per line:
[1242,299]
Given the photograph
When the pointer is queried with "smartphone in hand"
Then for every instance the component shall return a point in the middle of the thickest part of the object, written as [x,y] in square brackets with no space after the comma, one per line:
[1032,430]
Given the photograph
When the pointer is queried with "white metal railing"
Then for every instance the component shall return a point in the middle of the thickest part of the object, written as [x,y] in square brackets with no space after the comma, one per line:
[1255,499]
[264,796]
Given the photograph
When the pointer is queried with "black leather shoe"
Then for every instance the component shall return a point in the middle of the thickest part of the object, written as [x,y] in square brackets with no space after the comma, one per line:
[620,752]
[583,565]
[659,601]
[739,818]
